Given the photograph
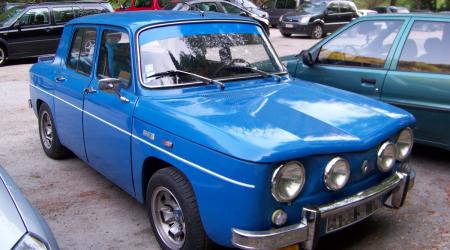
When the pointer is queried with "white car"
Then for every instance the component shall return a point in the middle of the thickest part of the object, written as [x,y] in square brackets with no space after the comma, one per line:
[366,12]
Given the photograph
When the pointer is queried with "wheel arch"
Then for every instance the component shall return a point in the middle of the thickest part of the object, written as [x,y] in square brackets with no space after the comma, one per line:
[149,167]
[4,45]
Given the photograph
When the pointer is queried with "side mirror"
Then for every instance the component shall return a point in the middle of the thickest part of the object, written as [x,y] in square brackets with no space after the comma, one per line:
[108,84]
[243,13]
[16,25]
[308,58]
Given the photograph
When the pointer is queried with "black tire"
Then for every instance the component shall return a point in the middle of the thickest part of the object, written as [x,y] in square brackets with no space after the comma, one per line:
[3,55]
[169,181]
[47,133]
[317,32]
[286,34]
[274,25]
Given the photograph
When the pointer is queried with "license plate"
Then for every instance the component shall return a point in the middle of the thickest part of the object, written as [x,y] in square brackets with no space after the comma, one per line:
[352,215]
[289,25]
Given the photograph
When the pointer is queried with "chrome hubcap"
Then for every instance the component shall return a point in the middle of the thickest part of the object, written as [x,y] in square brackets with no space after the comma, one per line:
[168,218]
[46,130]
[318,31]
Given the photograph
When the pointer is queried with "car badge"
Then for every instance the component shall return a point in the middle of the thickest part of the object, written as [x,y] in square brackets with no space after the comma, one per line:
[149,135]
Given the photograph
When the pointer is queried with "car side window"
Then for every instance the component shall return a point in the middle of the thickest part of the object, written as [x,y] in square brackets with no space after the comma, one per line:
[346,7]
[143,3]
[114,60]
[92,10]
[63,14]
[38,16]
[427,48]
[82,50]
[290,4]
[207,7]
[333,7]
[231,9]
[364,44]
[280,4]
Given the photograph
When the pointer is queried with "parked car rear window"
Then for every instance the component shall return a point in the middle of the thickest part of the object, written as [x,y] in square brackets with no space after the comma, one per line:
[427,48]
[365,44]
[82,50]
[114,59]
[38,16]
[63,14]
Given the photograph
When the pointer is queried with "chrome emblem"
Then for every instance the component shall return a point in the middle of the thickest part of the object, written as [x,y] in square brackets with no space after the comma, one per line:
[364,167]
[149,135]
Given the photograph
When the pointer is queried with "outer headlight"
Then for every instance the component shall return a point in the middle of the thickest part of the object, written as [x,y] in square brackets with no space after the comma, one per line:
[404,144]
[386,157]
[287,181]
[305,19]
[28,242]
[337,173]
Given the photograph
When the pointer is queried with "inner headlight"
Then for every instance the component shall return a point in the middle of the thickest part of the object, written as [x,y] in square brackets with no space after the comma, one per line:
[305,19]
[404,144]
[28,242]
[287,181]
[386,157]
[337,173]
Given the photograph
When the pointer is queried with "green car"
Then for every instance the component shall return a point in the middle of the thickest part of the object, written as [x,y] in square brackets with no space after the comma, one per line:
[402,59]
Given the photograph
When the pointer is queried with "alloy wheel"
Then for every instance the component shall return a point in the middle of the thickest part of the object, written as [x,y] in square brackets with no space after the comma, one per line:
[317,32]
[2,56]
[46,130]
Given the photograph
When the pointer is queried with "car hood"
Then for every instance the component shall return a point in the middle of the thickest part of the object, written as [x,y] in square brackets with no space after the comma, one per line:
[298,14]
[11,224]
[271,122]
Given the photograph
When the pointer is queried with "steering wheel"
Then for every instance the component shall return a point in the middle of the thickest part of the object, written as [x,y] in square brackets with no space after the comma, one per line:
[232,63]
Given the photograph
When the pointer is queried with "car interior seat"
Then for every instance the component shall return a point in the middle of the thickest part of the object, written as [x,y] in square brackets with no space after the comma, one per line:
[433,50]
[39,19]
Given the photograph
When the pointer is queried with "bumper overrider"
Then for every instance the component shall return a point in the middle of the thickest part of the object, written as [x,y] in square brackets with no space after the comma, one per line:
[392,191]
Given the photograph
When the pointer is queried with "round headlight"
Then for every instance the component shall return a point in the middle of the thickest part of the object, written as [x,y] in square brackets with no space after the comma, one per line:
[337,173]
[386,157]
[404,144]
[287,181]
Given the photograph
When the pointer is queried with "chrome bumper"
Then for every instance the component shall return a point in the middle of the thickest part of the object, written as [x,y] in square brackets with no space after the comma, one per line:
[307,232]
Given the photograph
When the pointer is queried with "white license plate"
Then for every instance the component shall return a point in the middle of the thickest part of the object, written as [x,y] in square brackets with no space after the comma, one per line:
[289,25]
[352,215]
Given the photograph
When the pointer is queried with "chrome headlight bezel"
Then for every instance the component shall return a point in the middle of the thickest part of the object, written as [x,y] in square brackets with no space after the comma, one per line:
[279,175]
[330,174]
[404,144]
[386,156]
[29,241]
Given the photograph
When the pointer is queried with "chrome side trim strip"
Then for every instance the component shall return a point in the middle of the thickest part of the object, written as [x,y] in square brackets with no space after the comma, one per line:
[198,167]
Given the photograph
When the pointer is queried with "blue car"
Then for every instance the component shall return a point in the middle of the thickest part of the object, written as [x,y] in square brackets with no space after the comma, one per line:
[21,225]
[194,115]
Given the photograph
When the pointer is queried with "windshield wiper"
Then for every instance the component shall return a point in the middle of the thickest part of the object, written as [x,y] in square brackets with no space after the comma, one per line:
[255,70]
[199,77]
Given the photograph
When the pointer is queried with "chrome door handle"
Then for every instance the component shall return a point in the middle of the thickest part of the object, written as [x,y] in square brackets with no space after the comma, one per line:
[90,90]
[60,79]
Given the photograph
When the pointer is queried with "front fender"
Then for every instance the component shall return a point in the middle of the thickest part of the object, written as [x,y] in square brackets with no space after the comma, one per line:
[229,192]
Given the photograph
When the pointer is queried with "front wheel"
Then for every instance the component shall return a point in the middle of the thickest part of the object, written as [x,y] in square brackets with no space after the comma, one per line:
[173,212]
[317,31]
[286,34]
[2,56]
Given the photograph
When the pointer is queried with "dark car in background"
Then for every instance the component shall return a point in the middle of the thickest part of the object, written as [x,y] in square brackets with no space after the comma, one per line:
[277,8]
[250,6]
[318,18]
[219,6]
[30,30]
[390,9]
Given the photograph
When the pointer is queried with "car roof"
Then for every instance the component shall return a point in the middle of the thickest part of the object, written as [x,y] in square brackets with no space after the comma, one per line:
[408,15]
[134,20]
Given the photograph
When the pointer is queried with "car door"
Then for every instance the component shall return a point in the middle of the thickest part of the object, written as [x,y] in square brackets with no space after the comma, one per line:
[107,117]
[74,77]
[357,58]
[332,17]
[280,8]
[33,36]
[419,79]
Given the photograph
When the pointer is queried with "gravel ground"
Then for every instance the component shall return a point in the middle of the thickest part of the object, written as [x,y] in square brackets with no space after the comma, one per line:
[86,211]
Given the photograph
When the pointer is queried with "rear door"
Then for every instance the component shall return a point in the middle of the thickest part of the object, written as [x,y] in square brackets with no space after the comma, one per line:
[356,59]
[332,17]
[419,79]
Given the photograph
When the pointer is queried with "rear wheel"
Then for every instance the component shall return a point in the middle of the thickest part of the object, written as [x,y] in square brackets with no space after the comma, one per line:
[47,132]
[317,32]
[2,56]
[173,212]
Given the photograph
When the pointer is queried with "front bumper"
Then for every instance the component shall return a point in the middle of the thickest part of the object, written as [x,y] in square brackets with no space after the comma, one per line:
[295,28]
[307,232]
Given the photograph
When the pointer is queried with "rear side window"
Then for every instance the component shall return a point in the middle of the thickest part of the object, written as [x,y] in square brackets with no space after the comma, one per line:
[231,9]
[114,59]
[37,16]
[333,7]
[280,4]
[82,50]
[427,48]
[347,7]
[290,4]
[365,44]
[92,10]
[63,14]
[143,3]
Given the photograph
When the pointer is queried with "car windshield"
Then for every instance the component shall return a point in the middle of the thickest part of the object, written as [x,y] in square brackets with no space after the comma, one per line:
[313,7]
[222,51]
[8,16]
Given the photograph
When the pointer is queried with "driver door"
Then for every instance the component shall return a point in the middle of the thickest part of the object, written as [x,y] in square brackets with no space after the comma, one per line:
[356,59]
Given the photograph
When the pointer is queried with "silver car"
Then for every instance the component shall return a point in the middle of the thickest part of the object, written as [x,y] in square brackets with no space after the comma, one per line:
[21,226]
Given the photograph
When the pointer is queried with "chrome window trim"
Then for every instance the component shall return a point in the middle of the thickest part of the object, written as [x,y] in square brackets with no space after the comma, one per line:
[138,48]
